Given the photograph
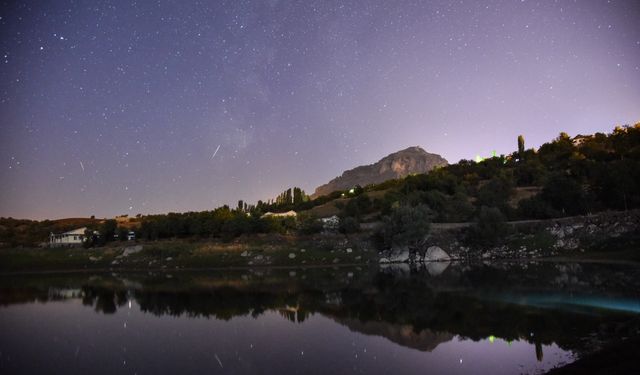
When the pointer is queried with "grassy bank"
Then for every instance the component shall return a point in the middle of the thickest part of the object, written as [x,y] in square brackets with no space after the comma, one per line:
[264,250]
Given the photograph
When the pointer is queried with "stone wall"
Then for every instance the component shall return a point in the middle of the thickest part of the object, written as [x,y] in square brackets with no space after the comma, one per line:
[528,239]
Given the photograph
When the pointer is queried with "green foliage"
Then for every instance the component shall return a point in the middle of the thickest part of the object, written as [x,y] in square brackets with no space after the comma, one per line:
[497,191]
[357,207]
[406,225]
[520,145]
[617,184]
[565,194]
[457,209]
[349,225]
[123,234]
[536,208]
[490,227]
[107,231]
[556,154]
[309,224]
[89,239]
[298,196]
[530,171]
[389,201]
[221,223]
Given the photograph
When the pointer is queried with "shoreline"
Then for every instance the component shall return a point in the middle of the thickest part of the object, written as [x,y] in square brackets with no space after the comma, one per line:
[553,259]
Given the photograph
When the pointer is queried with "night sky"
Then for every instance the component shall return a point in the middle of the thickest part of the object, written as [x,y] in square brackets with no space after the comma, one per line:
[125,107]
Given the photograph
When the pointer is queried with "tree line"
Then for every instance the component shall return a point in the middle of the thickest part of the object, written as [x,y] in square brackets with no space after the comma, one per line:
[566,176]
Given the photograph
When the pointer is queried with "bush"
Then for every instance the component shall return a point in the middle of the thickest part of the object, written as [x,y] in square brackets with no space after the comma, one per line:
[308,224]
[406,225]
[123,234]
[497,191]
[566,194]
[490,228]
[536,208]
[349,225]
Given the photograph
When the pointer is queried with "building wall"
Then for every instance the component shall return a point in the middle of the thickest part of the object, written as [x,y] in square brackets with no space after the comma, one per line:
[74,239]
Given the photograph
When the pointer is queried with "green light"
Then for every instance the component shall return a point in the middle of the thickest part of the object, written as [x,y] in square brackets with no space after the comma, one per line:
[492,338]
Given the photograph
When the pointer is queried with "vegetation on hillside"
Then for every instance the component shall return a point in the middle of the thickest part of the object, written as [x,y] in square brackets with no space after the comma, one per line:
[568,176]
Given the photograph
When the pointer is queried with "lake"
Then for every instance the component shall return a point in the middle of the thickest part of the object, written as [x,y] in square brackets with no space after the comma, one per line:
[500,318]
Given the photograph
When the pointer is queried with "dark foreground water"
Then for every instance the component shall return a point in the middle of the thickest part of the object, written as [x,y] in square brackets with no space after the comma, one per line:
[455,319]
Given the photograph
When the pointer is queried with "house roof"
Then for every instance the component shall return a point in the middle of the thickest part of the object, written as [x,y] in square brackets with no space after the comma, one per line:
[280,214]
[76,231]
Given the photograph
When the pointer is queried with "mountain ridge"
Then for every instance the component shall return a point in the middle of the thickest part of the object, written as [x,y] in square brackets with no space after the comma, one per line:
[398,164]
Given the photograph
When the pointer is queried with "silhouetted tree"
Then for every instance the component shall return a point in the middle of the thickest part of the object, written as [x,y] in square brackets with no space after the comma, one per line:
[520,146]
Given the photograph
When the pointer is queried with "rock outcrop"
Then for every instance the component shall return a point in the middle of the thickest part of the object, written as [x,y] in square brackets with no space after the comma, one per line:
[531,239]
[436,254]
[397,165]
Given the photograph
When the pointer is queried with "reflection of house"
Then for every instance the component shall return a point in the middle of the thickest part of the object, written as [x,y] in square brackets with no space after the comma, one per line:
[72,238]
[280,214]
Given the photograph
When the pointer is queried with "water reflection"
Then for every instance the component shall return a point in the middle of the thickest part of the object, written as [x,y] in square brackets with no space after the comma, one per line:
[487,313]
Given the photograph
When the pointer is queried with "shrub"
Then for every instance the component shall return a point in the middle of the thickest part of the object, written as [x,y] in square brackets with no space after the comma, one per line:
[536,208]
[406,225]
[309,224]
[490,228]
[349,225]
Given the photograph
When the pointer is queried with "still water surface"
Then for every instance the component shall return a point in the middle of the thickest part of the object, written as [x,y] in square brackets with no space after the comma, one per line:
[498,319]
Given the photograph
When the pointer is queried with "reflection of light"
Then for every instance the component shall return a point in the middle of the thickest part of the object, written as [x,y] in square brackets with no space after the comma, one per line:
[492,338]
[563,302]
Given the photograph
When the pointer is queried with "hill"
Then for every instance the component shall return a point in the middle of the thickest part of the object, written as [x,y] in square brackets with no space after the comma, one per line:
[400,164]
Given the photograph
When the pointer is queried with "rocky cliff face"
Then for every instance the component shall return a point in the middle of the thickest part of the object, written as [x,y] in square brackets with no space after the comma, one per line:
[397,165]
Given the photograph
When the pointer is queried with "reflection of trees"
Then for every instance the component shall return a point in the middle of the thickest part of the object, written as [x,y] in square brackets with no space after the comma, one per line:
[16,295]
[294,314]
[223,303]
[417,311]
[104,299]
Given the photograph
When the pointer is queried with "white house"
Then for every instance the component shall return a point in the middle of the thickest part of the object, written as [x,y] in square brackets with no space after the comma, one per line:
[280,214]
[72,238]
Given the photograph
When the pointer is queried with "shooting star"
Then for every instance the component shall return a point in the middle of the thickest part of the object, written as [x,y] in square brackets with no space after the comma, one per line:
[215,354]
[215,152]
[82,166]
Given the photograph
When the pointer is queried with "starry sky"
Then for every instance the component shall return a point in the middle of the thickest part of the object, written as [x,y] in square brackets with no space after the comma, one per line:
[127,107]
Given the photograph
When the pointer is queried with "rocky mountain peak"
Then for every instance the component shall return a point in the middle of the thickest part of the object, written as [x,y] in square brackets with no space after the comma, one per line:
[396,165]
